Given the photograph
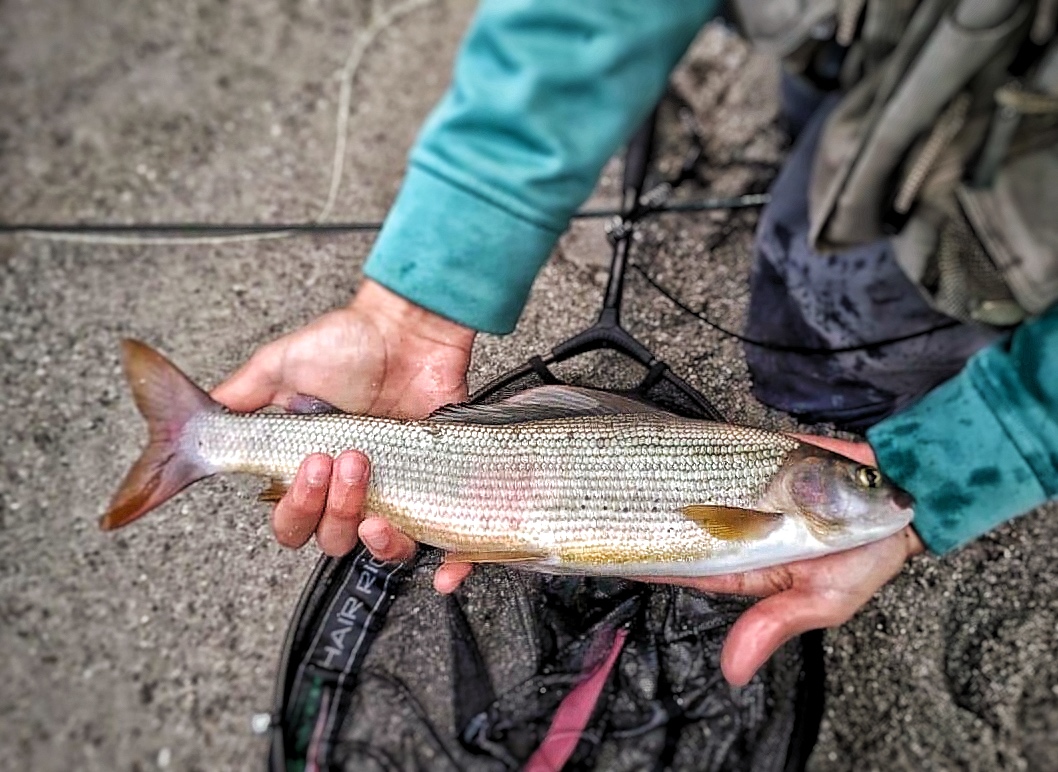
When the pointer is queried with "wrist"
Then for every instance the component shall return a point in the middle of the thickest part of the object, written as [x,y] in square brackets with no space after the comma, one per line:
[387,308]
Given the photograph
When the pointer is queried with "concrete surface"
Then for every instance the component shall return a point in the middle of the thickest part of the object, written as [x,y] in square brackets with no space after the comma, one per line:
[151,648]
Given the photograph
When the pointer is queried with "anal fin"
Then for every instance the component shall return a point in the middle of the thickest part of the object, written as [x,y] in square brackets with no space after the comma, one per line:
[276,490]
[733,523]
[493,556]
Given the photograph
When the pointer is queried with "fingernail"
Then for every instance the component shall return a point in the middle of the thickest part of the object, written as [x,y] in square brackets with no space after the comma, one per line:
[316,476]
[377,541]
[351,469]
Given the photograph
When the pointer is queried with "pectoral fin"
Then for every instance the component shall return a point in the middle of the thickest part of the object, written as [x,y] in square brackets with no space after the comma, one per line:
[276,490]
[733,523]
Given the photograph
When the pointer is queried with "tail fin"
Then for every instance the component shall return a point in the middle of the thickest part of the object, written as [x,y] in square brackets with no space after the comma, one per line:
[168,400]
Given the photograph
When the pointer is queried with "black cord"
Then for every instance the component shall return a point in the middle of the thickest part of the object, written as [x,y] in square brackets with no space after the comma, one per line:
[187,228]
[807,350]
[234,229]
[685,174]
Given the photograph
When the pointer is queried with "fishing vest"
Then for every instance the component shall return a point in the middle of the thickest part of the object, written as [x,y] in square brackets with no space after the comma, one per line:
[945,140]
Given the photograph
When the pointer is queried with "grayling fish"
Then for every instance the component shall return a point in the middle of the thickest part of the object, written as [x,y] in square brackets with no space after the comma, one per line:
[557,478]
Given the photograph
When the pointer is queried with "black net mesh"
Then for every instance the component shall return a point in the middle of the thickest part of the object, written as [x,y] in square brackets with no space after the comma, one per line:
[418,705]
[478,680]
[473,681]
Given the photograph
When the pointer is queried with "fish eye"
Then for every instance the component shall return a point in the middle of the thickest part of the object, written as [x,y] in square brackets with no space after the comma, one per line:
[868,477]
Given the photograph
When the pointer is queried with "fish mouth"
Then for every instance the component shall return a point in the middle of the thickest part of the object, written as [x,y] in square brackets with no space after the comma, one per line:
[903,499]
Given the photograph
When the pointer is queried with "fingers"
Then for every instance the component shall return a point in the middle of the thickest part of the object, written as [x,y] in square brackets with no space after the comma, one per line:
[913,542]
[297,514]
[336,533]
[765,627]
[760,583]
[857,451]
[328,498]
[450,575]
[385,541]
[253,385]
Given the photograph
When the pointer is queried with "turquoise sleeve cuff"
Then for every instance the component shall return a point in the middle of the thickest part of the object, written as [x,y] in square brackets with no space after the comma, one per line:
[543,93]
[458,255]
[953,452]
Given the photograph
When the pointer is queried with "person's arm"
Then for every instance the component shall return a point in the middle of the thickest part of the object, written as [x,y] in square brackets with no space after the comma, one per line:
[544,92]
[983,447]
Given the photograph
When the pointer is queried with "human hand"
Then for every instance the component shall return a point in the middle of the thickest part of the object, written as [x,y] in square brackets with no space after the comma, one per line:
[807,594]
[380,355]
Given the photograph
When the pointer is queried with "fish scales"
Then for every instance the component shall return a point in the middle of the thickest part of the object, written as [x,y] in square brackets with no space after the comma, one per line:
[555,478]
[587,489]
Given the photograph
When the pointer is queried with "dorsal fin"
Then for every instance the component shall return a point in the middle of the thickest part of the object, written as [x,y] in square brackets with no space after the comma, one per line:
[542,403]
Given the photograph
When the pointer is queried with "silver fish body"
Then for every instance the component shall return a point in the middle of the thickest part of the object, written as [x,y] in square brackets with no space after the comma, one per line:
[599,493]
[556,479]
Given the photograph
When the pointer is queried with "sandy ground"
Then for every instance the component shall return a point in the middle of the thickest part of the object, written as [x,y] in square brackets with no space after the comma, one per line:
[153,647]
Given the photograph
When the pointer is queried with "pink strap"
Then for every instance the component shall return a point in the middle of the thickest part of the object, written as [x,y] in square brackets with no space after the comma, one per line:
[573,713]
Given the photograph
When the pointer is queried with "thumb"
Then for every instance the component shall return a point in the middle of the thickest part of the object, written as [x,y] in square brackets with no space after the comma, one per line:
[767,625]
[857,451]
[252,386]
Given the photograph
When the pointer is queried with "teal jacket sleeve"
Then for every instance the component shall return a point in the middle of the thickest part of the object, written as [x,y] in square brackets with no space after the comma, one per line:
[544,92]
[983,447]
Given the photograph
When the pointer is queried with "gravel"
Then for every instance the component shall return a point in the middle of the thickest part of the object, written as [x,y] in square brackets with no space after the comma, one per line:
[153,647]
